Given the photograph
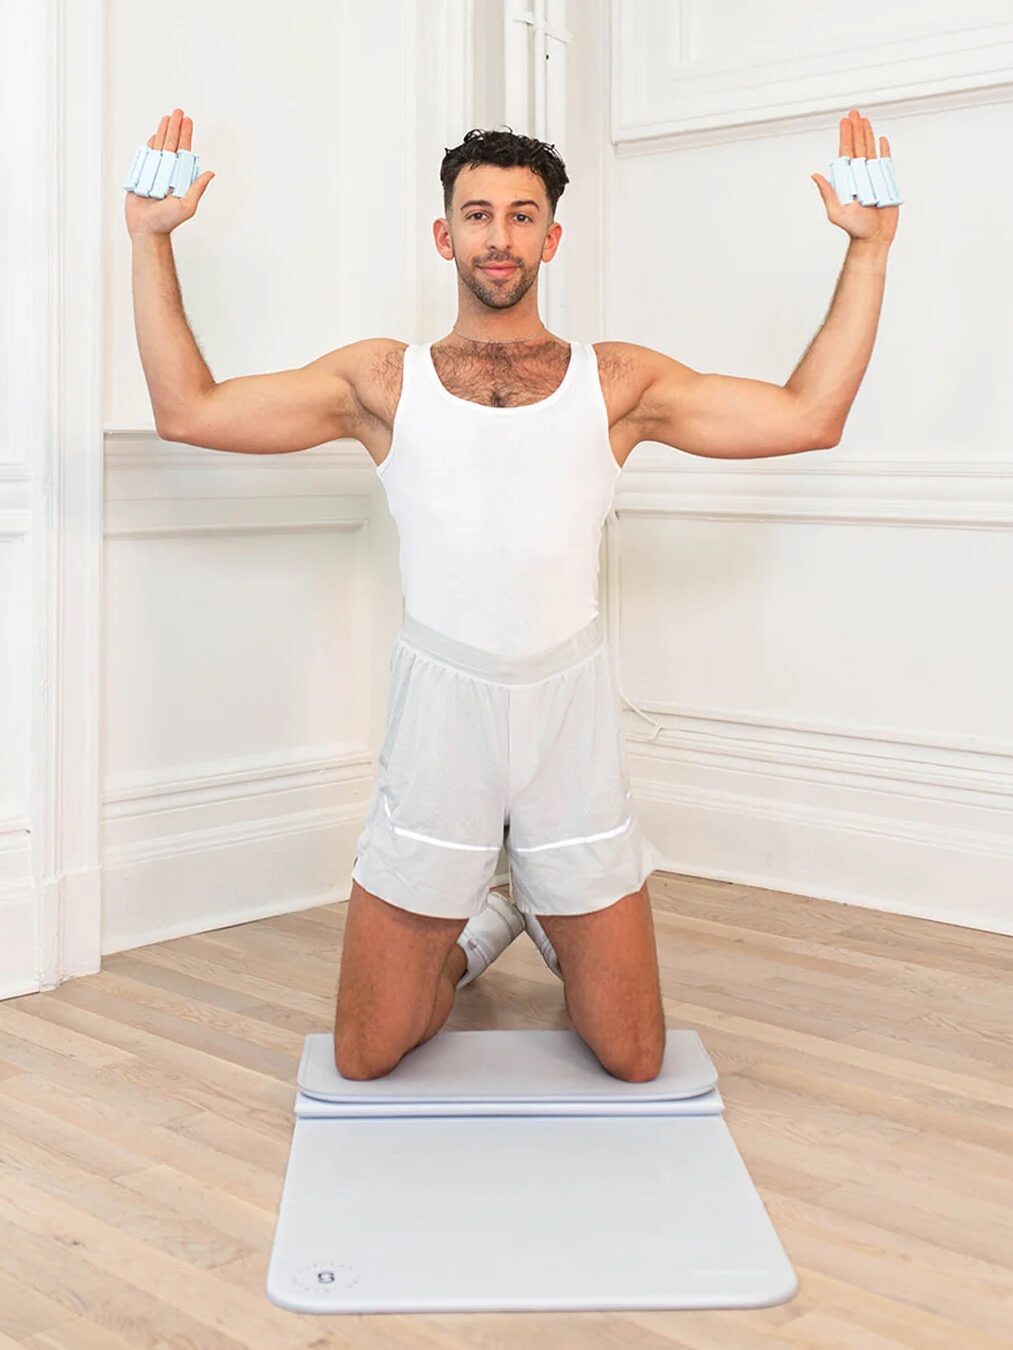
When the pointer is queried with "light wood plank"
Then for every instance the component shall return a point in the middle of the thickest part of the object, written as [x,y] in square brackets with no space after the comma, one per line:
[865,1061]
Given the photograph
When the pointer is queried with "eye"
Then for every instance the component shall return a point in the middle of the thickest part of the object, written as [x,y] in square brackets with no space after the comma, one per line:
[472,215]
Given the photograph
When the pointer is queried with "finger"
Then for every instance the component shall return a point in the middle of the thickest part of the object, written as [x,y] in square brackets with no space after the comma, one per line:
[172,135]
[847,139]
[869,139]
[830,198]
[186,134]
[857,133]
[199,184]
[860,128]
[163,126]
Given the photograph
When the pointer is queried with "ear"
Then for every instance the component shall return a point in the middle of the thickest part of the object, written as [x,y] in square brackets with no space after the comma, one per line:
[442,238]
[552,238]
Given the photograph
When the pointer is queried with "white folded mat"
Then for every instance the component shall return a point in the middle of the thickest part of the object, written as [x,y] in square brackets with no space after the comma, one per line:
[495,1171]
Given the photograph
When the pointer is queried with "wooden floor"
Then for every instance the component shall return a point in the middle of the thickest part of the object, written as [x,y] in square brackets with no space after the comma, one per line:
[865,1062]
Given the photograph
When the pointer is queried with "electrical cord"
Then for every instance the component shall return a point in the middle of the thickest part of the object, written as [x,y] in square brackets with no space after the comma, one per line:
[615,568]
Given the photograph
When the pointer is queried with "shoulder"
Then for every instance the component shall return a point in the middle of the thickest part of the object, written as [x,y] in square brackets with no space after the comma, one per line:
[631,362]
[628,372]
[374,369]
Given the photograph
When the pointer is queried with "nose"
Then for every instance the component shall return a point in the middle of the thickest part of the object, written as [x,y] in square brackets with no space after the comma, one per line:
[499,242]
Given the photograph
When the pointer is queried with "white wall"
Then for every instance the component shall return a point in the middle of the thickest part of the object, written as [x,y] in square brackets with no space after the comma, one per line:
[823,638]
[241,730]
[245,592]
[195,649]
[197,642]
[30,663]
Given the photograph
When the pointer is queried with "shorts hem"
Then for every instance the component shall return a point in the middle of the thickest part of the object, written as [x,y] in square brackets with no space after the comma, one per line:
[385,888]
[650,860]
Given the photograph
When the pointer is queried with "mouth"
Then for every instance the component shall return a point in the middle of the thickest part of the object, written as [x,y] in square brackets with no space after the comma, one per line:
[499,271]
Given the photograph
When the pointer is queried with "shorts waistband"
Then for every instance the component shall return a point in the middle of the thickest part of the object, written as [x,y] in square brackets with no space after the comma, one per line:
[493,665]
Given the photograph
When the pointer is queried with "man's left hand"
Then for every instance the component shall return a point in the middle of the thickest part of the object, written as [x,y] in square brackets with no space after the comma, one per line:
[871,223]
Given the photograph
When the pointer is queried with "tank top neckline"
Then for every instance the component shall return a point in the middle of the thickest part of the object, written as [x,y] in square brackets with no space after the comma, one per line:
[558,392]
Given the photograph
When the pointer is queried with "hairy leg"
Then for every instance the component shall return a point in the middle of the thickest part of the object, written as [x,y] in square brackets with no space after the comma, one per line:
[396,987]
[611,983]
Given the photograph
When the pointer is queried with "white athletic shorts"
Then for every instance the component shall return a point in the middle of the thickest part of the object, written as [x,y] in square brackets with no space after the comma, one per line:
[483,752]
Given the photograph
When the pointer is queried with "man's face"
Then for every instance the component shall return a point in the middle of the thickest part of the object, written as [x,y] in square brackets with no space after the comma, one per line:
[500,216]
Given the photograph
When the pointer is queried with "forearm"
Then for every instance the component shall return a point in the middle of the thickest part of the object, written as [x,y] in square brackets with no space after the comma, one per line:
[830,373]
[173,366]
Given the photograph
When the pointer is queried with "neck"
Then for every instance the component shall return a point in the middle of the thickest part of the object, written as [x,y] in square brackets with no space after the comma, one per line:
[469,336]
[482,326]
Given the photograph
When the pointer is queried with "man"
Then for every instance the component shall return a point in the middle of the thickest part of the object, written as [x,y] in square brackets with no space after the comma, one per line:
[499,446]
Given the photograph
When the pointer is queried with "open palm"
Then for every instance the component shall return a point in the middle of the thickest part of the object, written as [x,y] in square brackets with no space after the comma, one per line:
[860,222]
[161,215]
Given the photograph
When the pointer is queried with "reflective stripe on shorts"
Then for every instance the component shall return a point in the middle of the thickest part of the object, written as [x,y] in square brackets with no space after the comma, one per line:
[482,753]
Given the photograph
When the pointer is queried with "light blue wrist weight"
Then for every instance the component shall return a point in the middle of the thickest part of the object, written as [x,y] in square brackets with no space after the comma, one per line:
[154,173]
[870,180]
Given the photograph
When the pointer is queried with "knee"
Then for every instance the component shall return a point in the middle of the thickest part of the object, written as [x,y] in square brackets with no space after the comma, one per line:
[351,1062]
[638,1073]
[642,1067]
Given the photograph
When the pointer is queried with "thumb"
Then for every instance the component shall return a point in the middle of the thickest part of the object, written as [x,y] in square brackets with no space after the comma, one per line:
[198,186]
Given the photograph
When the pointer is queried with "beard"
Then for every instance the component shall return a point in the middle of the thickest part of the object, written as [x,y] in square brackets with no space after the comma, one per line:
[497,295]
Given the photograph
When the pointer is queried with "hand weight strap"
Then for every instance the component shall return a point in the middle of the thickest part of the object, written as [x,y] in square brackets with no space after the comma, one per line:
[870,180]
[154,173]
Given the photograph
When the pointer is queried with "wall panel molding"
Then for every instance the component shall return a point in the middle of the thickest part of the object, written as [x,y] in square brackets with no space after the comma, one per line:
[969,770]
[229,781]
[854,846]
[946,494]
[671,79]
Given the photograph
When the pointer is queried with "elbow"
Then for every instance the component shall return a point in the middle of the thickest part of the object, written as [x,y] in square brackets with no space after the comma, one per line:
[830,437]
[169,431]
[185,421]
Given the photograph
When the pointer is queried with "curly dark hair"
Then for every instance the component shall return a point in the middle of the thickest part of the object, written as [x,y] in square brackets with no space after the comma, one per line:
[509,150]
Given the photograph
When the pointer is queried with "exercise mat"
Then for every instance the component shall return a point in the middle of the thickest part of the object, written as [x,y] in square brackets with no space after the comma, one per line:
[508,1171]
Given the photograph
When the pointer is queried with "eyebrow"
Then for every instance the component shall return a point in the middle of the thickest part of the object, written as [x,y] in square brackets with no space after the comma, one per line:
[521,201]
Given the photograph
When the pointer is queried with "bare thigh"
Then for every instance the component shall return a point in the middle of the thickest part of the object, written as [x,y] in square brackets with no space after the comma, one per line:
[609,961]
[391,960]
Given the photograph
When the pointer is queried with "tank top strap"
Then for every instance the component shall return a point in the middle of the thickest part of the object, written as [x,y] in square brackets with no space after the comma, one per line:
[591,387]
[412,358]
[414,385]
[589,357]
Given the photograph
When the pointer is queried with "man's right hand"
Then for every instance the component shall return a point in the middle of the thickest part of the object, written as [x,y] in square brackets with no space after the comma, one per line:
[161,215]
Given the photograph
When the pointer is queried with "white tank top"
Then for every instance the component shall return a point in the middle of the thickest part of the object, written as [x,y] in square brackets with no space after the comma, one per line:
[499,511]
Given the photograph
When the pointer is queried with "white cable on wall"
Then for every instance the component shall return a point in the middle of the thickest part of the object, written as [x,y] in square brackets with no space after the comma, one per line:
[535,90]
[615,590]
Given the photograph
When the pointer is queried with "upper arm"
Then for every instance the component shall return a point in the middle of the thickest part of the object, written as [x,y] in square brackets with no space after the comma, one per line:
[284,411]
[723,416]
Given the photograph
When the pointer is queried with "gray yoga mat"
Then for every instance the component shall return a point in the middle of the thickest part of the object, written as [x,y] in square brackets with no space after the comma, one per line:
[508,1171]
